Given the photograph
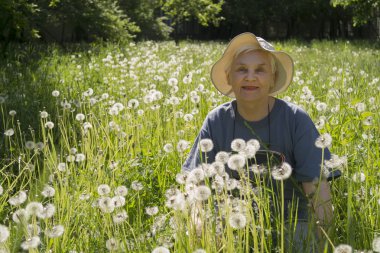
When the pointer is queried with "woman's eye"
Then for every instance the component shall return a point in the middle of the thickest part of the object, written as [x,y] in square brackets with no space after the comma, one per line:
[241,69]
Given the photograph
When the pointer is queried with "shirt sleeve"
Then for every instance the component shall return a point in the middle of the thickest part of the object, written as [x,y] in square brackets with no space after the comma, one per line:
[196,157]
[308,158]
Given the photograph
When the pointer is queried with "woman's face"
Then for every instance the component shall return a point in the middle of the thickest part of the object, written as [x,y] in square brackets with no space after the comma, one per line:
[251,76]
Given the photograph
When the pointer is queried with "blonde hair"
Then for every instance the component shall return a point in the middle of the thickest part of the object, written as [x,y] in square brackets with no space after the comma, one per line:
[247,49]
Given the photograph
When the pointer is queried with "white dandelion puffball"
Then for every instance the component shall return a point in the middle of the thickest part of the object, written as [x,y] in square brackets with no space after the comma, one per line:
[1,190]
[80,157]
[31,243]
[202,193]
[199,251]
[238,145]
[120,217]
[12,113]
[343,248]
[49,125]
[30,145]
[206,145]
[121,191]
[182,145]
[118,201]
[18,199]
[47,212]
[172,81]
[153,210]
[161,249]
[133,104]
[222,157]
[168,147]
[48,191]
[103,189]
[55,231]
[20,216]
[34,208]
[55,93]
[282,172]
[106,205]
[137,186]
[61,167]
[236,161]
[323,141]
[9,132]
[112,244]
[237,220]
[44,114]
[376,244]
[80,117]
[4,233]
[358,177]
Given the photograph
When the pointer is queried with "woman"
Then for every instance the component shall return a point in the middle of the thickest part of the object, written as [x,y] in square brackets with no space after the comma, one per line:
[253,72]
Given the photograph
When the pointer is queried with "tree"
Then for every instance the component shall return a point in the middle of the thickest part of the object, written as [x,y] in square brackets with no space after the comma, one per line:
[363,11]
[204,11]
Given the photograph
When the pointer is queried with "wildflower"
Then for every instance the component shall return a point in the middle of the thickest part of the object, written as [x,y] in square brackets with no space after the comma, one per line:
[80,117]
[321,106]
[121,191]
[206,145]
[33,230]
[222,157]
[88,92]
[323,141]
[120,217]
[181,177]
[151,210]
[80,157]
[112,244]
[199,251]
[368,121]
[236,161]
[47,212]
[1,190]
[105,96]
[40,145]
[238,145]
[104,189]
[34,208]
[86,126]
[376,244]
[254,142]
[202,193]
[137,186]
[188,117]
[20,216]
[18,199]
[55,93]
[195,99]
[49,125]
[48,191]
[140,112]
[343,248]
[106,204]
[360,107]
[282,172]
[44,114]
[55,231]
[258,169]
[168,147]
[30,145]
[133,103]
[4,233]
[31,243]
[182,145]
[209,170]
[9,132]
[249,151]
[335,161]
[177,201]
[358,177]
[237,220]
[195,176]
[172,81]
[161,249]
[61,167]
[12,113]
[118,201]
[84,196]
[219,168]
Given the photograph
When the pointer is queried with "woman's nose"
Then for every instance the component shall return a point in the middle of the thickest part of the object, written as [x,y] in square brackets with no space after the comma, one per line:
[251,76]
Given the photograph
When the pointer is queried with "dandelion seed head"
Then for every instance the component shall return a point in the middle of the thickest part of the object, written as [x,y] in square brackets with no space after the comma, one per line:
[33,230]
[80,117]
[61,167]
[55,231]
[30,145]
[18,199]
[153,210]
[161,249]
[168,148]
[181,177]
[121,191]
[358,177]
[9,132]
[1,190]
[137,186]
[195,176]
[202,193]
[49,125]
[48,191]
[343,248]
[4,233]
[237,220]
[120,217]
[282,172]
[360,107]
[376,244]
[323,141]
[258,169]
[55,93]
[20,216]
[80,157]
[222,157]
[238,145]
[112,244]
[206,145]
[219,168]
[133,104]
[44,114]
[104,189]
[34,208]
[118,201]
[31,243]
[106,204]
[182,146]
[236,161]
[199,251]
[47,212]
[12,113]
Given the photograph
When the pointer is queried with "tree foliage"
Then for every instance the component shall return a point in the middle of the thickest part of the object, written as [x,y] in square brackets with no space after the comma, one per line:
[363,10]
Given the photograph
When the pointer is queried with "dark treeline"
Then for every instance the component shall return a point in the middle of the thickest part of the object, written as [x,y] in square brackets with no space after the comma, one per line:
[63,21]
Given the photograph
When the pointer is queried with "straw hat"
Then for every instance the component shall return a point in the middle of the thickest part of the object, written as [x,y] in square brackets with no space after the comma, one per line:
[284,64]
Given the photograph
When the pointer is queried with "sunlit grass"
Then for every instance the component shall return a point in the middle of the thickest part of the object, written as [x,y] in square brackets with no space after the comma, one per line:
[117,116]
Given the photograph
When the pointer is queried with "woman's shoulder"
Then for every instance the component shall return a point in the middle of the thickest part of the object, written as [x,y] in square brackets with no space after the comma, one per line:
[222,111]
[290,107]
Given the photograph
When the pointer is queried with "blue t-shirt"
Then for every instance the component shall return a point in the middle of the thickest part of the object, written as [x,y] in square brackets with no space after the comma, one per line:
[287,129]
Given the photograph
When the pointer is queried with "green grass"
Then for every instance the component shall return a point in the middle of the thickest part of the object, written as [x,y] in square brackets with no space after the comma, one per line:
[128,147]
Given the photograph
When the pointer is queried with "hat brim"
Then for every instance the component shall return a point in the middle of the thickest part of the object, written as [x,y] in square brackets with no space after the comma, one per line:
[284,65]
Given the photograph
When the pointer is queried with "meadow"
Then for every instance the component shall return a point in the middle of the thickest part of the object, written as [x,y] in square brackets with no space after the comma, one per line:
[92,139]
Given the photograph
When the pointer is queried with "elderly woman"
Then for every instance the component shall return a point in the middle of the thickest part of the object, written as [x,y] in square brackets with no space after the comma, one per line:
[253,72]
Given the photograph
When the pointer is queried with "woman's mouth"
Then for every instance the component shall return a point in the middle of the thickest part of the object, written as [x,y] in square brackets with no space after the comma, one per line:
[249,88]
